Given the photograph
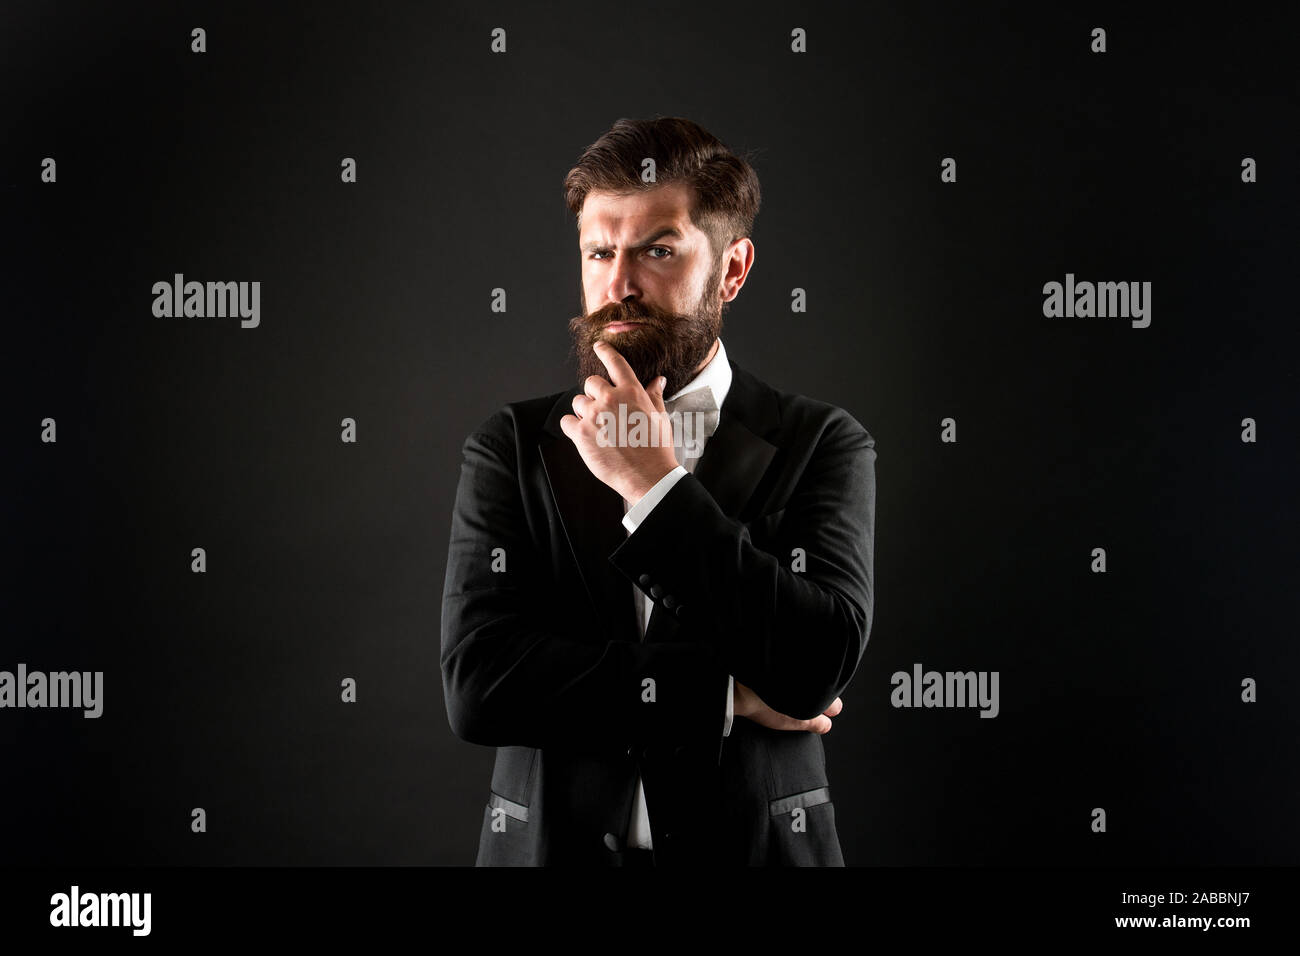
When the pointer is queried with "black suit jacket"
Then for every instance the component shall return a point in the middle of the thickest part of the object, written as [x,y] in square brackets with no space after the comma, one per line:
[760,565]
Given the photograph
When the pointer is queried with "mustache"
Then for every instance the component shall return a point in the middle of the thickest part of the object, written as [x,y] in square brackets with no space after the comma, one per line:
[647,315]
[661,343]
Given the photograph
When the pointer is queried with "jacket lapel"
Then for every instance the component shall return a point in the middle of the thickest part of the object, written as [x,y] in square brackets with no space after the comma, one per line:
[592,515]
[736,459]
[738,454]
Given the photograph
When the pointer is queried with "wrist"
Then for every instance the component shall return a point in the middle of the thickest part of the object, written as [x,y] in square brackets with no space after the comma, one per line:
[741,700]
[646,481]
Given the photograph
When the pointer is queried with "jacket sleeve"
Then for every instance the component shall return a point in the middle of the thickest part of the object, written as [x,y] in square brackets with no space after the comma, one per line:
[792,624]
[518,670]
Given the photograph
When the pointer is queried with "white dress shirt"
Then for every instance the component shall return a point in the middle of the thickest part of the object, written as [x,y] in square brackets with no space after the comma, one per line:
[716,375]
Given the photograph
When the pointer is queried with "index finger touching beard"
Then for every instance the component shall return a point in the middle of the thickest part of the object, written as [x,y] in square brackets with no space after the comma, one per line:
[661,343]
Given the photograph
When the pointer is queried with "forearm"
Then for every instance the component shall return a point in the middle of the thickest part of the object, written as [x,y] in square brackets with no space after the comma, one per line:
[509,682]
[518,671]
[794,636]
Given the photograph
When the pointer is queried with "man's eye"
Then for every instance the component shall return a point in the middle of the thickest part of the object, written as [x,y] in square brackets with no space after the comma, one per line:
[599,254]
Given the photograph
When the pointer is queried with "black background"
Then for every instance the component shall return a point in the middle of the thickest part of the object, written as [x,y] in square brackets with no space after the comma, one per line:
[325,560]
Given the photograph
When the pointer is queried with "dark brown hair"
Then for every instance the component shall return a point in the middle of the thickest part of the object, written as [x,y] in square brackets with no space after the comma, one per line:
[724,185]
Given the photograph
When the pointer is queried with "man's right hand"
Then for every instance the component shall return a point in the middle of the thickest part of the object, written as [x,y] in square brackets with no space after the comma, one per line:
[745,703]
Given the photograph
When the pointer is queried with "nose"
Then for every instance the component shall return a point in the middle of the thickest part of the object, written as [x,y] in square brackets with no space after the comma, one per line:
[622,280]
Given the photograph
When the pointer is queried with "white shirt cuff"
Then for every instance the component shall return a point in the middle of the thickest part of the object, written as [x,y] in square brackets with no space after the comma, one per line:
[731,706]
[636,514]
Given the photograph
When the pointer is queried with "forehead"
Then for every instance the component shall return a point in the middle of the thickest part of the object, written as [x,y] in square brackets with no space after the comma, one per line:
[608,214]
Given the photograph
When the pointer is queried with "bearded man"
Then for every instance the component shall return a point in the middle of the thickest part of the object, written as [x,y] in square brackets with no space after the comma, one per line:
[653,624]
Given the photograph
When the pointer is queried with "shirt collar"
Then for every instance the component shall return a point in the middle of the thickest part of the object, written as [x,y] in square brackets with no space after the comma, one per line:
[716,375]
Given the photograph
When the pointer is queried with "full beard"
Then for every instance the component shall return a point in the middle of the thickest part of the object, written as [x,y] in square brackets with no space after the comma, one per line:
[663,343]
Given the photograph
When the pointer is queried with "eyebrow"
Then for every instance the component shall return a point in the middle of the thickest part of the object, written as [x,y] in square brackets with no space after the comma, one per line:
[667,231]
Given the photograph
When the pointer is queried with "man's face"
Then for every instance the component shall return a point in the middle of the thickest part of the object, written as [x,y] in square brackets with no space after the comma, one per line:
[650,286]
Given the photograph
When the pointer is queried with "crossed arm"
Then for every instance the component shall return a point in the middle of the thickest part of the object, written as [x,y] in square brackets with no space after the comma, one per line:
[516,673]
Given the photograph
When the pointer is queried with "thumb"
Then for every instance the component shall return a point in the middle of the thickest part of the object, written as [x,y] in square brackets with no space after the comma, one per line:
[820,725]
[656,393]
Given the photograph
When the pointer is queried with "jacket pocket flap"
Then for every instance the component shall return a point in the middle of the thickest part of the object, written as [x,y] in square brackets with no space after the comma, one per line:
[809,798]
[511,809]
